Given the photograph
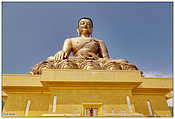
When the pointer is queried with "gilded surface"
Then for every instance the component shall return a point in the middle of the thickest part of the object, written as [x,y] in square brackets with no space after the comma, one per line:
[88,53]
[76,90]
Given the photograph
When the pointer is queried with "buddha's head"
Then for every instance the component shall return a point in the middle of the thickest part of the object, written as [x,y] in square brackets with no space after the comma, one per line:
[85,26]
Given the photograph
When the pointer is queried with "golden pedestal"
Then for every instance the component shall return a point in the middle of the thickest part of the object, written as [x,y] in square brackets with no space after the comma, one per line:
[84,93]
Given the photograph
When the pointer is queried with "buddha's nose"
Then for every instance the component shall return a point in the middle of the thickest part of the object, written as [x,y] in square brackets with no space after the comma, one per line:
[85,26]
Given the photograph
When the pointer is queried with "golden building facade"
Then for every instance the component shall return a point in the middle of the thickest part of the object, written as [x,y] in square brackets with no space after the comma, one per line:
[75,92]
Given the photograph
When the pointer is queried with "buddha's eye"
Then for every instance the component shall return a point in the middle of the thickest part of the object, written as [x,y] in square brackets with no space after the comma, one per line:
[82,23]
[88,23]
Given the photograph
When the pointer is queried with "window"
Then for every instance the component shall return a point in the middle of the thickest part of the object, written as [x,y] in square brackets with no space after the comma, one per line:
[3,103]
[129,103]
[54,103]
[149,108]
[27,107]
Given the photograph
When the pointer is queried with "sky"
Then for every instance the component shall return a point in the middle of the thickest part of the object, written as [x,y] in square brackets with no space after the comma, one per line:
[138,32]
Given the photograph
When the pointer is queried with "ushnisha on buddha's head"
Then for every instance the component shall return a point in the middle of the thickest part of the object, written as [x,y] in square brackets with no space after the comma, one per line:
[85,27]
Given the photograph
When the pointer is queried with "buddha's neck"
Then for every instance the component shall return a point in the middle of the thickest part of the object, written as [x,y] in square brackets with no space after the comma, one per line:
[85,35]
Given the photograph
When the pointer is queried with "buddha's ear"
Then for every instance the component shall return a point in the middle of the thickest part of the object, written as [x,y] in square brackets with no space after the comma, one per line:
[92,30]
[78,31]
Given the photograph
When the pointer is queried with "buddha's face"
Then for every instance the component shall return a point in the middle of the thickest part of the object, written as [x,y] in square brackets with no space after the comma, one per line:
[85,27]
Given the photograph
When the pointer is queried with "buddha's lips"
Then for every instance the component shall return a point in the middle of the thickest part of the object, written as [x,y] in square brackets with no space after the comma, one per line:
[84,28]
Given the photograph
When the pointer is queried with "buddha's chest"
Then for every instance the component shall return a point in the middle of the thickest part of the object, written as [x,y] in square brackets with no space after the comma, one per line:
[80,42]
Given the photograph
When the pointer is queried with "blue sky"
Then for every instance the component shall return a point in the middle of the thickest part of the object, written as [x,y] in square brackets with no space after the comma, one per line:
[139,32]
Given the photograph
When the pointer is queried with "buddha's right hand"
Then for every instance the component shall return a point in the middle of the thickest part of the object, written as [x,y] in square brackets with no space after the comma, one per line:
[60,55]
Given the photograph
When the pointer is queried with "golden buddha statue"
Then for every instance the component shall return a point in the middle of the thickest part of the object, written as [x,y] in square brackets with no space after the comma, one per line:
[89,53]
[83,46]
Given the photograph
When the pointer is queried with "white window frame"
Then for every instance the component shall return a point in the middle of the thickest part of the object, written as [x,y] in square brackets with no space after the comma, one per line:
[27,107]
[54,103]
